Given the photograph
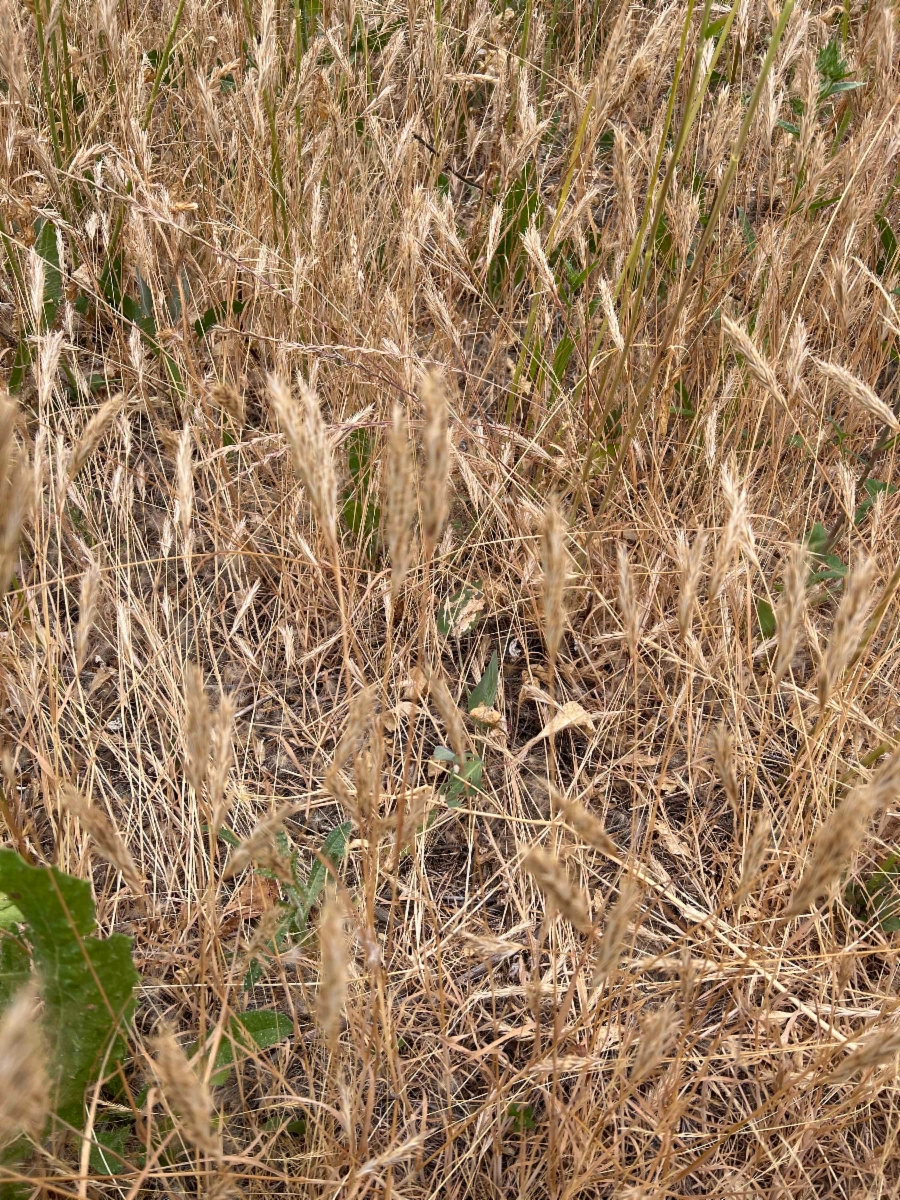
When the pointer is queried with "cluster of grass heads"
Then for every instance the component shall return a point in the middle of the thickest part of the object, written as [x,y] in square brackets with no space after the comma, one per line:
[449,564]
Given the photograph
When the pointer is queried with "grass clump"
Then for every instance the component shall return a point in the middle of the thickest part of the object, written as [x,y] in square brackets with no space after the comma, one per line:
[449,561]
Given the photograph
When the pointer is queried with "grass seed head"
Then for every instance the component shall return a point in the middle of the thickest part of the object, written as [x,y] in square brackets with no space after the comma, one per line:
[848,629]
[436,443]
[615,932]
[589,828]
[310,446]
[197,729]
[860,393]
[835,845]
[333,968]
[105,837]
[690,559]
[24,1082]
[93,433]
[878,1048]
[88,605]
[755,852]
[791,610]
[185,1093]
[563,895]
[553,553]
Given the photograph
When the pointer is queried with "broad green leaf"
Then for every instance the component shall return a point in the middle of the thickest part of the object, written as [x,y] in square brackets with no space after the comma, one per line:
[109,1150]
[485,690]
[765,618]
[87,982]
[464,782]
[248,1032]
[46,247]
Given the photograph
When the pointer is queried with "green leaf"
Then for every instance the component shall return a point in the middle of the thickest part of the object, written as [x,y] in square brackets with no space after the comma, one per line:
[249,1032]
[465,781]
[765,618]
[10,916]
[485,690]
[362,517]
[333,848]
[888,240]
[715,27]
[522,1116]
[46,247]
[87,982]
[109,1150]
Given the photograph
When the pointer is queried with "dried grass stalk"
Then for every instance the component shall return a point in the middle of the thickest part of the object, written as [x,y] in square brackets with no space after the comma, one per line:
[198,727]
[399,500]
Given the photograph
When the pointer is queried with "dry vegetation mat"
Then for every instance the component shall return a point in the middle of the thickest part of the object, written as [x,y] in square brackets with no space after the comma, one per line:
[449,554]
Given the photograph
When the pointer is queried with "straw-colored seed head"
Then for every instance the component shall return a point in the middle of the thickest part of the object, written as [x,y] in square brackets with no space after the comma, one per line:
[553,554]
[260,847]
[722,745]
[877,1048]
[754,855]
[449,714]
[848,629]
[628,603]
[399,500]
[105,837]
[221,758]
[756,362]
[860,393]
[791,609]
[690,561]
[311,452]
[334,968]
[835,845]
[615,932]
[184,479]
[230,400]
[563,895]
[93,433]
[658,1032]
[589,828]
[736,534]
[88,604]
[24,1082]
[436,445]
[185,1093]
[198,727]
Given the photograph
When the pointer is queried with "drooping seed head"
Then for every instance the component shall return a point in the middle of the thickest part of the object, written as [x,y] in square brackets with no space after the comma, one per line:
[564,896]
[105,837]
[848,629]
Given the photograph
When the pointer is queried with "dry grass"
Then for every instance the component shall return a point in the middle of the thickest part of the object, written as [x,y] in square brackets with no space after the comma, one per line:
[466,263]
